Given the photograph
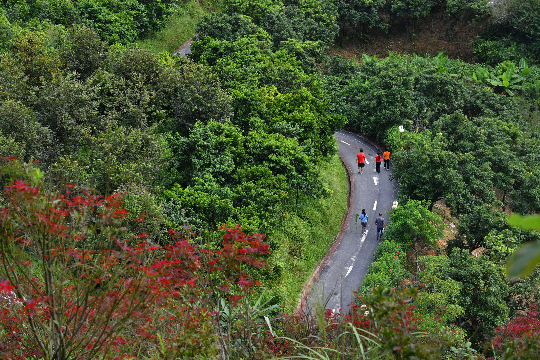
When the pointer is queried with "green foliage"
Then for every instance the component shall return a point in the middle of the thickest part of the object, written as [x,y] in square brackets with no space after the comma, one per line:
[394,318]
[9,147]
[222,26]
[115,157]
[531,222]
[6,30]
[379,98]
[469,9]
[438,300]
[484,289]
[525,259]
[303,21]
[68,108]
[511,36]
[39,61]
[495,50]
[13,81]
[256,172]
[122,21]
[82,50]
[510,79]
[193,93]
[308,53]
[254,9]
[412,9]
[358,17]
[195,208]
[413,222]
[360,14]
[146,212]
[388,266]
[424,166]
[19,121]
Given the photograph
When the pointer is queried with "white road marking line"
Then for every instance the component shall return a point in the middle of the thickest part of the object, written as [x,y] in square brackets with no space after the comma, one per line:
[376,180]
[345,143]
[375,205]
[367,162]
[349,269]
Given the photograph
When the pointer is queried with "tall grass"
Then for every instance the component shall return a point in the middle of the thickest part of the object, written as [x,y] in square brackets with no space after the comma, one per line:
[305,237]
[180,27]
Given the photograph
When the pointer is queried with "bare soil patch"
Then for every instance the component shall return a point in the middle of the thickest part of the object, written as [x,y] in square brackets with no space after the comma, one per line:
[435,33]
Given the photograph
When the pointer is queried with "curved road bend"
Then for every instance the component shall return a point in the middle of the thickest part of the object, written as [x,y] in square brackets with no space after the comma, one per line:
[349,263]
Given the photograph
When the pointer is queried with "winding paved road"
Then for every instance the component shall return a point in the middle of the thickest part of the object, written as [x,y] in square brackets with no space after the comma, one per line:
[349,263]
[344,271]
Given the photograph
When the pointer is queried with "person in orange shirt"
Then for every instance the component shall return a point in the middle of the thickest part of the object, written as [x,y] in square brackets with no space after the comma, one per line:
[361,157]
[386,157]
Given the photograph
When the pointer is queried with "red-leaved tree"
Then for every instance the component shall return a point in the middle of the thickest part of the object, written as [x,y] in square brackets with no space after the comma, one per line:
[520,337]
[75,284]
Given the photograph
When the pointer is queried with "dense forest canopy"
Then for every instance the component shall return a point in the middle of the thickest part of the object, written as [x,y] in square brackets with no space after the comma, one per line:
[240,132]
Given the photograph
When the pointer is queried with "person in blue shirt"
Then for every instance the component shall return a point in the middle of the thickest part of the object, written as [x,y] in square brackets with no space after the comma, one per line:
[363,220]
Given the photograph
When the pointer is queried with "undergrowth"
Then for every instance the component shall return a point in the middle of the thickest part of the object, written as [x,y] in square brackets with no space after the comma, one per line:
[180,27]
[306,236]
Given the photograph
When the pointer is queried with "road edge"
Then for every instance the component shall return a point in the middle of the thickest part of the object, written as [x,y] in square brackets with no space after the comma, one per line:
[306,289]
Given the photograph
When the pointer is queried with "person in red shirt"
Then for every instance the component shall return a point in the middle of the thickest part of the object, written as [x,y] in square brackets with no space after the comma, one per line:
[361,158]
[386,157]
[378,159]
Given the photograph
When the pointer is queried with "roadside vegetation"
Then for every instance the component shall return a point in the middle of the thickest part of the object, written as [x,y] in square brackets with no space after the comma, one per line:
[126,171]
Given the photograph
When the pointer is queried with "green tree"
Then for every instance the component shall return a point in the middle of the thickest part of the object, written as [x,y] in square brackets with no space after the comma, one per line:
[412,222]
[9,148]
[484,289]
[18,121]
[115,21]
[13,80]
[224,26]
[115,157]
[424,166]
[439,297]
[82,50]
[39,61]
[68,107]
[359,15]
[192,92]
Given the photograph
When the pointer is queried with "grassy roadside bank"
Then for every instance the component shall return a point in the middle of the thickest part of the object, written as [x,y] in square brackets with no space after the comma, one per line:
[306,237]
[180,27]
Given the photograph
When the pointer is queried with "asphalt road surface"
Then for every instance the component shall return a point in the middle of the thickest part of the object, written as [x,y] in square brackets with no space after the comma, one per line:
[184,50]
[345,270]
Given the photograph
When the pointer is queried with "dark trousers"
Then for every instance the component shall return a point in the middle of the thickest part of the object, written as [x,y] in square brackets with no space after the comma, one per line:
[387,164]
[378,167]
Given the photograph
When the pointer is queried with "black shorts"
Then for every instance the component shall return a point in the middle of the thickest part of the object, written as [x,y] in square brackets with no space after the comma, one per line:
[360,164]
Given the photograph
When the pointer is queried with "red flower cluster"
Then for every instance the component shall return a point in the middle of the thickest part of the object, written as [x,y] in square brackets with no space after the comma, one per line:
[76,288]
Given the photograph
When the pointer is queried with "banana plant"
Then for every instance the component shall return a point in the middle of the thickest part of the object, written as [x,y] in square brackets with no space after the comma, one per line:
[439,61]
[508,80]
[481,75]
[367,58]
[512,78]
